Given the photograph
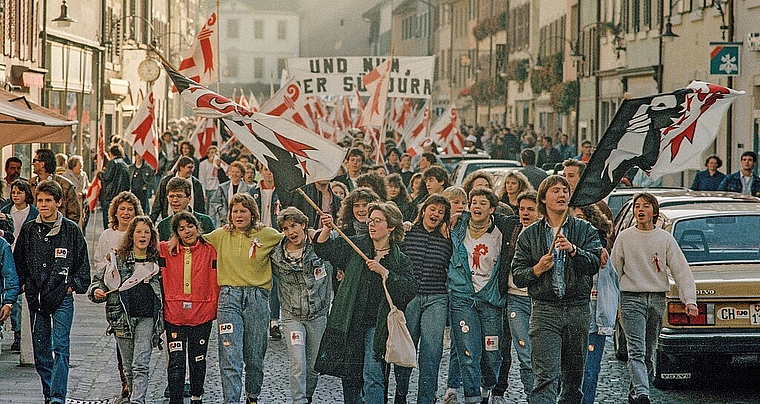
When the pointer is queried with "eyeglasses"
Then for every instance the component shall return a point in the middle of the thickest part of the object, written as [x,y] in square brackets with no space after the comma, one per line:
[375,221]
[36,161]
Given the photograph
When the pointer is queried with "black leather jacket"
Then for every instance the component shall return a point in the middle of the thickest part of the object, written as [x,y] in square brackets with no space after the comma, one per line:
[49,261]
[579,270]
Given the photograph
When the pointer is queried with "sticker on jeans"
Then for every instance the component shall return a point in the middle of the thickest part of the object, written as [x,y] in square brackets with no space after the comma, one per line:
[296,338]
[465,329]
[225,328]
[61,252]
[319,272]
[201,342]
[187,305]
[462,323]
[492,342]
[175,346]
[174,335]
[199,358]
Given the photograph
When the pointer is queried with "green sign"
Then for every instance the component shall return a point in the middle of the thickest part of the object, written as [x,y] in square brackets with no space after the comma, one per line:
[724,59]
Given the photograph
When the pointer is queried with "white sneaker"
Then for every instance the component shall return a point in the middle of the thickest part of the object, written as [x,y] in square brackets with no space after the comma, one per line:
[497,400]
[450,397]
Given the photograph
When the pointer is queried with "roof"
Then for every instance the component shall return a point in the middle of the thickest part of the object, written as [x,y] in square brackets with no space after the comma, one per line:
[709,209]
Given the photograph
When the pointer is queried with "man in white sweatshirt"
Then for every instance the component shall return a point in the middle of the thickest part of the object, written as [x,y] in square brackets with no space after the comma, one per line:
[642,256]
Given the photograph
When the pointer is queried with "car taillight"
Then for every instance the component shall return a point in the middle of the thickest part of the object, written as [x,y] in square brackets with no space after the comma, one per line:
[677,314]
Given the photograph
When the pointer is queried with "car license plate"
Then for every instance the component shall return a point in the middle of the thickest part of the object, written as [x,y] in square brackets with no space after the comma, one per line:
[754,313]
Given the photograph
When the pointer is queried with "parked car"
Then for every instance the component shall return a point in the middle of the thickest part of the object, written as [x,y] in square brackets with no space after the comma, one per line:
[620,195]
[465,167]
[724,257]
[449,161]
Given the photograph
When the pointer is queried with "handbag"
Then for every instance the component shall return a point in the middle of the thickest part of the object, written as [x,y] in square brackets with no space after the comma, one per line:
[399,348]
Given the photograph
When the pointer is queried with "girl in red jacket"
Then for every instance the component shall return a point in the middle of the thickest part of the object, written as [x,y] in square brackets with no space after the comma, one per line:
[190,299]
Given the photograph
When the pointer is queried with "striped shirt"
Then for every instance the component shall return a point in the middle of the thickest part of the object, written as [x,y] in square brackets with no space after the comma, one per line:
[430,253]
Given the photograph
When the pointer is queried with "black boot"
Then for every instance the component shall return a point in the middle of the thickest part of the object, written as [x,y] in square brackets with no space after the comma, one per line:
[16,346]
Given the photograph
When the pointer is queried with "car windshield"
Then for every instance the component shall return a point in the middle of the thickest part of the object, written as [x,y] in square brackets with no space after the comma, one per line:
[719,238]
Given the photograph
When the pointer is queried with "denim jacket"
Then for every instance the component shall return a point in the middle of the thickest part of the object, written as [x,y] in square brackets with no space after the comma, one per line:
[304,289]
[119,322]
[9,287]
[605,296]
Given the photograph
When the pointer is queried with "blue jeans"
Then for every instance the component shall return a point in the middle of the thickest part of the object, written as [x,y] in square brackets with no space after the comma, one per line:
[302,339]
[425,319]
[558,337]
[373,373]
[243,318]
[593,365]
[476,329]
[51,342]
[135,355]
[518,312]
[16,315]
[641,314]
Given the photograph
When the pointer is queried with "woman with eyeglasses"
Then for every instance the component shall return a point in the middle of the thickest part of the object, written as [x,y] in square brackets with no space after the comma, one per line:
[353,345]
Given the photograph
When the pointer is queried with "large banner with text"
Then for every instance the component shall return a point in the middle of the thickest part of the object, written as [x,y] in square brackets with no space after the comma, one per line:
[411,76]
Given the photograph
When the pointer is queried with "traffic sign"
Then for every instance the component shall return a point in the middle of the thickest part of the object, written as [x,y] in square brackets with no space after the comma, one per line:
[724,58]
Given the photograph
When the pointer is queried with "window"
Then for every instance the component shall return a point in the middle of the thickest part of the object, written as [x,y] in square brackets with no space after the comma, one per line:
[258,29]
[281,63]
[232,29]
[231,70]
[282,29]
[258,68]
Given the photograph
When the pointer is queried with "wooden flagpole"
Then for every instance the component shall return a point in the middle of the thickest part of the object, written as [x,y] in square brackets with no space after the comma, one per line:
[334,226]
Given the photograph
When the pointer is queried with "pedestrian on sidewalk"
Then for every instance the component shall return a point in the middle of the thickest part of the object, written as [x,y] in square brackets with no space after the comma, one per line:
[134,306]
[21,211]
[191,294]
[304,294]
[9,289]
[245,276]
[52,263]
[645,257]
[123,208]
[353,345]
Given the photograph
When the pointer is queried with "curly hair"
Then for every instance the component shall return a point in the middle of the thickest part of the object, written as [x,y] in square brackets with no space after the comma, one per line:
[597,219]
[522,181]
[249,203]
[393,218]
[467,183]
[374,182]
[128,242]
[123,196]
[346,212]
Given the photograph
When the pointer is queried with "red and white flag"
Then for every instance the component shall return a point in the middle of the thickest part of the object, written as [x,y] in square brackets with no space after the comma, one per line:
[344,118]
[446,133]
[141,133]
[417,130]
[100,159]
[243,101]
[402,114]
[359,108]
[254,103]
[290,103]
[376,83]
[294,154]
[198,63]
[204,134]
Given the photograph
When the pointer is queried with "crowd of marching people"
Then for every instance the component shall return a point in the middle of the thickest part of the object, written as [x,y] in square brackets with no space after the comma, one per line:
[211,245]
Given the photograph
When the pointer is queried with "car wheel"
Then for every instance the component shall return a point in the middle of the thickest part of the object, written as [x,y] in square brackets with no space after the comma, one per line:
[621,349]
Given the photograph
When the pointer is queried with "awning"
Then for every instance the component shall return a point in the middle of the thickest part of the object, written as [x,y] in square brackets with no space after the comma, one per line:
[22,121]
[32,79]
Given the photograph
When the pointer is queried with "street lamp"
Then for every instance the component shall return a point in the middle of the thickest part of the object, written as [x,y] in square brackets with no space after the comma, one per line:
[64,20]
